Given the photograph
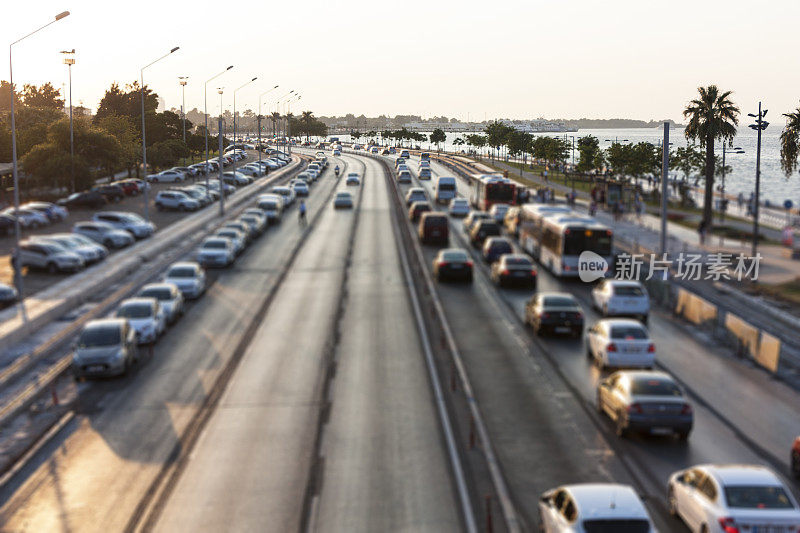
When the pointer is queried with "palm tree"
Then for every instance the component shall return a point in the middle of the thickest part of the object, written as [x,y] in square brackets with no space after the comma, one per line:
[790,142]
[275,118]
[712,116]
[307,118]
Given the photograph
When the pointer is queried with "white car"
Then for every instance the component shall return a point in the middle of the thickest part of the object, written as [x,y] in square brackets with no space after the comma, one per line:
[404,176]
[104,233]
[178,200]
[590,507]
[168,295]
[257,169]
[286,193]
[459,207]
[53,212]
[615,297]
[235,236]
[49,256]
[130,222]
[727,498]
[236,178]
[167,176]
[416,194]
[188,276]
[271,206]
[145,316]
[620,343]
[300,188]
[498,212]
[216,252]
[90,251]
[28,218]
[343,200]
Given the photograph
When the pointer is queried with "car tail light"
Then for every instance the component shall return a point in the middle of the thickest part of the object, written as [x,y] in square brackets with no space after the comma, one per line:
[635,408]
[504,272]
[443,263]
[578,315]
[651,348]
[545,315]
[611,347]
[469,263]
[687,409]
[533,272]
[566,267]
[728,525]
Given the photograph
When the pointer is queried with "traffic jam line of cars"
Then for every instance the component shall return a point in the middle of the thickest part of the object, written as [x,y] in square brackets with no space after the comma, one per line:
[635,397]
[111,346]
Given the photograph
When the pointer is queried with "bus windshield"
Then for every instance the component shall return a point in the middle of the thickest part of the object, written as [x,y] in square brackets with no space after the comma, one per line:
[500,192]
[578,241]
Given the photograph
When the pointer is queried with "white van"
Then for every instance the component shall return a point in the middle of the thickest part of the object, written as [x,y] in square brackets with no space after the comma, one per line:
[444,189]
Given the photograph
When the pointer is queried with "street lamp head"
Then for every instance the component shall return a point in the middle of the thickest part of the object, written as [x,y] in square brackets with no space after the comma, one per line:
[230,67]
[275,87]
[68,51]
[62,15]
[254,79]
[175,49]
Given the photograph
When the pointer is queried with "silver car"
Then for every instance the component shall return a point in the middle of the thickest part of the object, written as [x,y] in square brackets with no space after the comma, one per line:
[90,251]
[236,238]
[104,233]
[130,222]
[168,295]
[145,316]
[188,276]
[105,347]
[216,252]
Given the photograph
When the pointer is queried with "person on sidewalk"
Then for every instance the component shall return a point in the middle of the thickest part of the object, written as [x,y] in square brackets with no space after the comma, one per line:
[593,208]
[638,207]
[740,200]
[701,232]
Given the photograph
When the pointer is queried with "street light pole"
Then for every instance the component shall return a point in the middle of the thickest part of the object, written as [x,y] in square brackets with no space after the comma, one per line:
[289,124]
[205,114]
[183,104]
[737,150]
[759,126]
[69,60]
[15,255]
[259,120]
[144,144]
[219,136]
[234,118]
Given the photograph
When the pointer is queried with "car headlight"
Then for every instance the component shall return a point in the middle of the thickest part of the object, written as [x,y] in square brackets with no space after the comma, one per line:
[119,355]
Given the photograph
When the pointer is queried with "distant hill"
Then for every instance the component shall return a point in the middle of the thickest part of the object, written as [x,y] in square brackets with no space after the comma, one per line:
[614,123]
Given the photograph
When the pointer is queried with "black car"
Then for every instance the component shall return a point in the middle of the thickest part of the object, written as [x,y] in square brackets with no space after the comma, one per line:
[494,247]
[6,225]
[91,199]
[554,312]
[452,264]
[483,229]
[112,193]
[514,269]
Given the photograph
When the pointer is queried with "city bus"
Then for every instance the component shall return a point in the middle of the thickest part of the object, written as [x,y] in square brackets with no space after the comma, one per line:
[565,237]
[529,227]
[485,190]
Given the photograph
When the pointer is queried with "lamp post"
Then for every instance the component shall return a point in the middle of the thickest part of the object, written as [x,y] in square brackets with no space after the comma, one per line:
[278,109]
[737,150]
[760,125]
[183,104]
[219,136]
[259,120]
[205,114]
[15,256]
[69,60]
[234,118]
[144,144]
[289,123]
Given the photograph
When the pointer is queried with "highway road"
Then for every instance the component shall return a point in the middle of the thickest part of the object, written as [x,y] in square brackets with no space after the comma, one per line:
[295,396]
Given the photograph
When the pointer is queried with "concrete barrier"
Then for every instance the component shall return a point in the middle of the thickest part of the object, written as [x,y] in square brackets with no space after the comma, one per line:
[769,352]
[55,301]
[745,333]
[694,308]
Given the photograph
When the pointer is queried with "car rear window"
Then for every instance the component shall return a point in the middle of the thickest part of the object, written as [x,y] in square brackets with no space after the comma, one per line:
[215,245]
[454,256]
[158,294]
[138,310]
[181,272]
[95,336]
[518,261]
[628,333]
[436,221]
[616,526]
[558,301]
[654,387]
[628,290]
[500,245]
[757,497]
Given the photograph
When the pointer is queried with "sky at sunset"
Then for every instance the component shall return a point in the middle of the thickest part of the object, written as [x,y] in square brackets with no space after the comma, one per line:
[476,60]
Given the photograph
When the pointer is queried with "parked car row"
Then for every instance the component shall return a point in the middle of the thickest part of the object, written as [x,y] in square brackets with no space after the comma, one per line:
[32,215]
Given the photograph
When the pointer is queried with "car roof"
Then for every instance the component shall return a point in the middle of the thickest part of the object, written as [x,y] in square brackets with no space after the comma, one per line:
[545,294]
[625,282]
[741,474]
[606,500]
[137,301]
[191,264]
[169,286]
[515,256]
[104,323]
[636,375]
[621,322]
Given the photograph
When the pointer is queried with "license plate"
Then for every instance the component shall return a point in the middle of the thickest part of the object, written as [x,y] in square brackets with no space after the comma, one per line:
[435,233]
[520,274]
[96,368]
[661,431]
[456,267]
[562,329]
[630,349]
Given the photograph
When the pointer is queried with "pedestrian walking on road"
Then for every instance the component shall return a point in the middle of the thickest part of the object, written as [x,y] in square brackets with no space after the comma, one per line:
[301,213]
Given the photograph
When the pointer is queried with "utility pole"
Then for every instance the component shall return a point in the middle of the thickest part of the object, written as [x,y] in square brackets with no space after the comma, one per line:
[664,188]
[759,126]
[69,60]
[183,104]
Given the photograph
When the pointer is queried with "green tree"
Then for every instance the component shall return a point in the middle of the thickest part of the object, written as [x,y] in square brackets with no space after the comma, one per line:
[459,142]
[518,142]
[438,136]
[127,134]
[497,134]
[42,97]
[307,118]
[5,97]
[688,159]
[590,156]
[790,142]
[712,116]
[127,102]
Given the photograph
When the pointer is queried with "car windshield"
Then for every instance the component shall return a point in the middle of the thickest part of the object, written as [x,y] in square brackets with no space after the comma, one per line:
[633,525]
[137,310]
[159,293]
[96,336]
[215,245]
[757,497]
[343,195]
[454,256]
[499,246]
[628,333]
[181,272]
[558,301]
[654,387]
[628,290]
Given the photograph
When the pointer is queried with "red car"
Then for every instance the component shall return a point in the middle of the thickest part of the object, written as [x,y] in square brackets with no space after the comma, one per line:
[130,188]
[796,458]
